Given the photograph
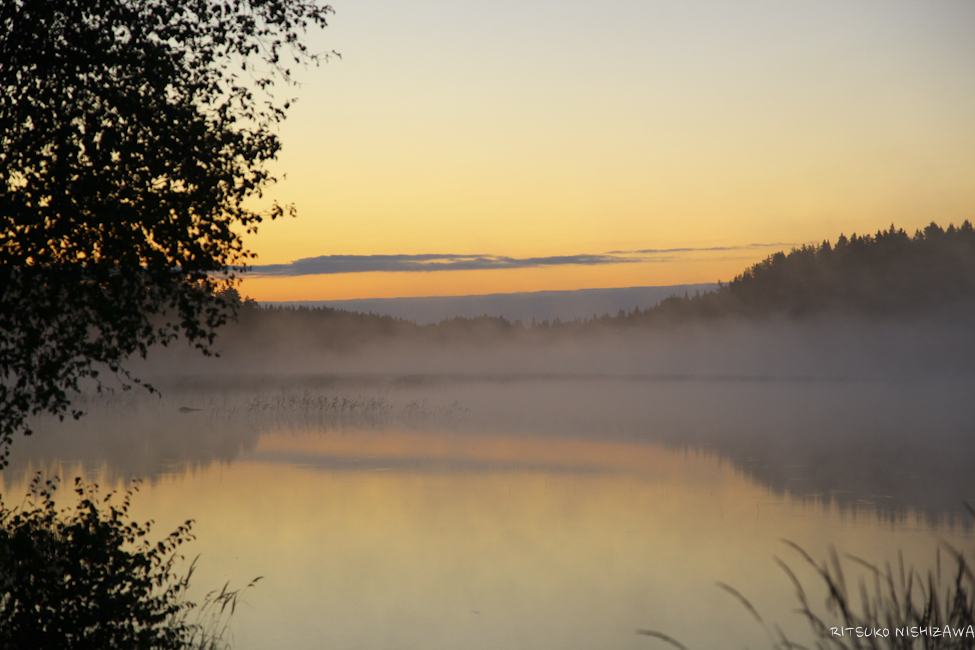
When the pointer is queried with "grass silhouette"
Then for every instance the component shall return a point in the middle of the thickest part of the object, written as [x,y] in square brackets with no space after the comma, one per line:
[899,608]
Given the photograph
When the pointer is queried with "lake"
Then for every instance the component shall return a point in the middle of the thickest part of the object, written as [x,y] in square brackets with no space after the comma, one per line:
[526,511]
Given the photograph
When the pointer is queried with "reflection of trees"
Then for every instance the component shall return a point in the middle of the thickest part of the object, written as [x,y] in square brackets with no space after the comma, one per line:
[889,447]
[143,441]
[932,477]
[137,436]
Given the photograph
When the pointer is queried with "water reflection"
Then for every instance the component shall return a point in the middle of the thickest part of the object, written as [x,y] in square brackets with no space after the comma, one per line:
[525,511]
[404,538]
[886,447]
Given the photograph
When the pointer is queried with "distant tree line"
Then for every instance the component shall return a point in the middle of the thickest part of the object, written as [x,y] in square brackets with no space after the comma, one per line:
[887,274]
[257,325]
[890,274]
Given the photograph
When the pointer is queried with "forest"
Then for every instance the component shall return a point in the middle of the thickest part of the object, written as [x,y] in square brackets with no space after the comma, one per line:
[887,274]
[891,274]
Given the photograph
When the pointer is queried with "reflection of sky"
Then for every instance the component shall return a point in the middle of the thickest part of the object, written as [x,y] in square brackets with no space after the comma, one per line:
[534,129]
[411,557]
[828,423]
[498,511]
[427,451]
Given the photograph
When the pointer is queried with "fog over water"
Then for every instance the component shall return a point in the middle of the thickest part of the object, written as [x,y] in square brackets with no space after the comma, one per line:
[538,488]
[862,413]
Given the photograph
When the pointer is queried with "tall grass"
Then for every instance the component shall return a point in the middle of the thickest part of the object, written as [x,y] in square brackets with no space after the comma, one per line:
[894,607]
[898,606]
[210,629]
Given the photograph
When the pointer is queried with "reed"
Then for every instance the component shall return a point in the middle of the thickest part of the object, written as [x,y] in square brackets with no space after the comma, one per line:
[899,608]
[894,607]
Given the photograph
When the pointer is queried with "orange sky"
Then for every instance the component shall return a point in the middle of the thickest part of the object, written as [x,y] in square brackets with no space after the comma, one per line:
[537,129]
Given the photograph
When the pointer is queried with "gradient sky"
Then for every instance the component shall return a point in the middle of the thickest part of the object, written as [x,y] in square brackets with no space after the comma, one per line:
[580,136]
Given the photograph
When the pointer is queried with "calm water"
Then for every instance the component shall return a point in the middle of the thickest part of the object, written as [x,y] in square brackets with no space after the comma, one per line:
[546,512]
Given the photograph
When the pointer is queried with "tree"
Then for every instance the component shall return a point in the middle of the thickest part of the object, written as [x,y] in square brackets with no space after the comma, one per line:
[133,134]
[87,577]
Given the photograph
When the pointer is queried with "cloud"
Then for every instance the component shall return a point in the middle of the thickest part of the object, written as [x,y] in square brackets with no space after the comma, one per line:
[331,264]
[652,251]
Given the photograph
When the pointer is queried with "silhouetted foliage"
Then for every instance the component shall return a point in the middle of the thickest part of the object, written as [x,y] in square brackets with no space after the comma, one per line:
[324,327]
[89,578]
[132,133]
[887,274]
[890,272]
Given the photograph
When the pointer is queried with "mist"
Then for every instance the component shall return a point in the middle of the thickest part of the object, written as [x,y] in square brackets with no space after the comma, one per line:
[524,307]
[869,414]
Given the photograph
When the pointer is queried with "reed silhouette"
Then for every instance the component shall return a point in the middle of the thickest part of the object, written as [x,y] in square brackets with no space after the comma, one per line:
[899,608]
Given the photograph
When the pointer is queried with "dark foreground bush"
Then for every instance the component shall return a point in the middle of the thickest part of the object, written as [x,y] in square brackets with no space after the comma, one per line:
[87,577]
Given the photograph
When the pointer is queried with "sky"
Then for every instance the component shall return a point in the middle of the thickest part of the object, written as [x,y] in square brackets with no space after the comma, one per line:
[462,148]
